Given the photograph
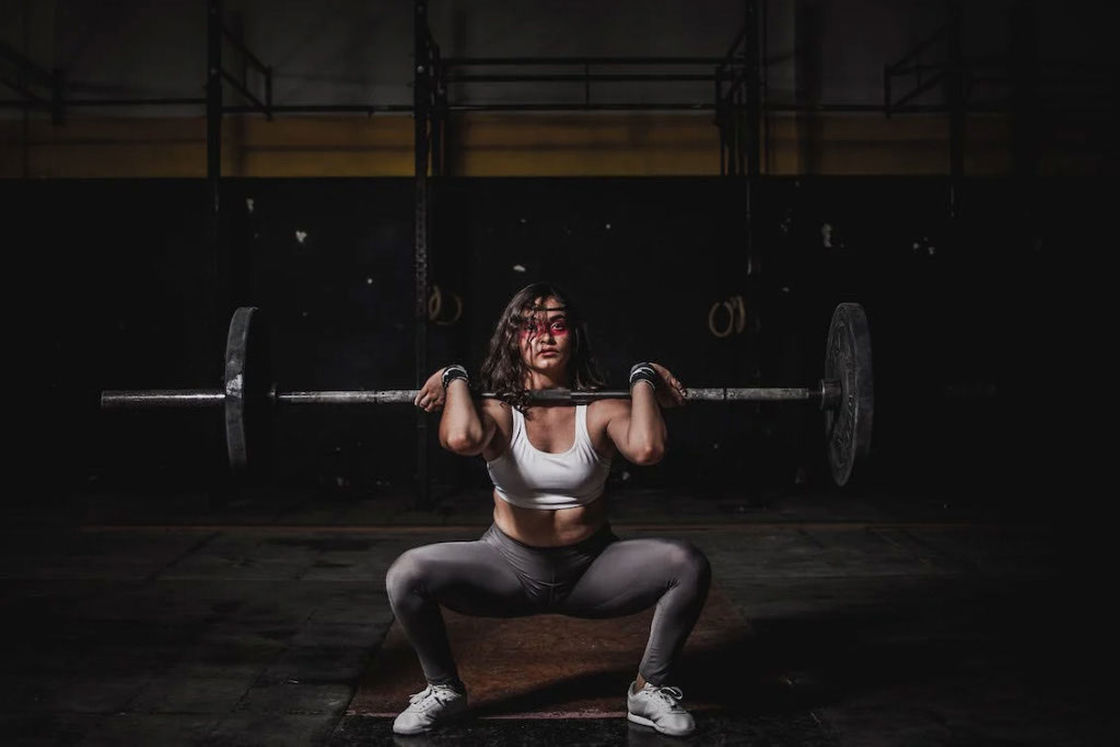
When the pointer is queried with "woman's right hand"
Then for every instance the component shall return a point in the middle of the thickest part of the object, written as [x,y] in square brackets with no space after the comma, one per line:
[431,396]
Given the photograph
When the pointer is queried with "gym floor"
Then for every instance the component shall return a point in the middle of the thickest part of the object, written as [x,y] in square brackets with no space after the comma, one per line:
[870,617]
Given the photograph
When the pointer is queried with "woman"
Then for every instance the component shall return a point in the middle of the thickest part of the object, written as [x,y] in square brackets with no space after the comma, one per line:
[550,548]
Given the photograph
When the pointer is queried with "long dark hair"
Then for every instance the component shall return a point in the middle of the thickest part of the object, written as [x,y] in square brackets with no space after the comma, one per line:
[503,371]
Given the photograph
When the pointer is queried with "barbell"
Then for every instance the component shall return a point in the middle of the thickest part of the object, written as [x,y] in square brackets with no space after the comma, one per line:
[845,394]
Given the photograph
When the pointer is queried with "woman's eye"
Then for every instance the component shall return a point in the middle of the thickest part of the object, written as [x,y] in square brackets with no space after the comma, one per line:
[539,328]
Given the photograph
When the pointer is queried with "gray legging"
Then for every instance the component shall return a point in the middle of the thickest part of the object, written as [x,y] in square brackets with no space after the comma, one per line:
[497,576]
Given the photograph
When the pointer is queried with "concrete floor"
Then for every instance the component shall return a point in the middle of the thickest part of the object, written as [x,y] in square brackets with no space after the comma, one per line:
[875,619]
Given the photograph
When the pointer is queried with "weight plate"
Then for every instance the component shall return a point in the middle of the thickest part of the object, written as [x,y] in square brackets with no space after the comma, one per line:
[848,360]
[246,387]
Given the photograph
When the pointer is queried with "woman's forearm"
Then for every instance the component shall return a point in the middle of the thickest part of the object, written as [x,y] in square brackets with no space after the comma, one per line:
[647,434]
[460,428]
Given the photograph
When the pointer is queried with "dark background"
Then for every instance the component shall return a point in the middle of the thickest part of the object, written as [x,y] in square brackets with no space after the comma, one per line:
[983,323]
[956,592]
[972,321]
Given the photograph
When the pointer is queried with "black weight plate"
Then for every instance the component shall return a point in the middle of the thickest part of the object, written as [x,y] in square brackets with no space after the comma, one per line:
[848,360]
[247,382]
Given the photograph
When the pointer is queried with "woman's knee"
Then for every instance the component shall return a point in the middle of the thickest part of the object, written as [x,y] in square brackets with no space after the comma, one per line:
[688,561]
[406,574]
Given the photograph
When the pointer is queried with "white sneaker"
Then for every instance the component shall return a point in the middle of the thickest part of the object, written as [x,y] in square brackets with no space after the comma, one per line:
[660,708]
[429,708]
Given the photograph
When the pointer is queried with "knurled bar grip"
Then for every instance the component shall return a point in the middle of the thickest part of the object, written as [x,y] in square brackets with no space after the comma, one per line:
[828,393]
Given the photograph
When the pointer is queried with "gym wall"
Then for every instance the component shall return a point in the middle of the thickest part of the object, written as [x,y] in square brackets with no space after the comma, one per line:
[624,209]
[819,54]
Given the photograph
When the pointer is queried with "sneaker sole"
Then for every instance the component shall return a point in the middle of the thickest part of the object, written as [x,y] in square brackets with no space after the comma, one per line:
[646,722]
[640,720]
[438,725]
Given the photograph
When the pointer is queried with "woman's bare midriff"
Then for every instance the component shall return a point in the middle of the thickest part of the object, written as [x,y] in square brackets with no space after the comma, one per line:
[541,528]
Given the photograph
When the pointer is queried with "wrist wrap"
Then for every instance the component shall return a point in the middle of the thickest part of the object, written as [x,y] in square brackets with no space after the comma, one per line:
[452,372]
[643,372]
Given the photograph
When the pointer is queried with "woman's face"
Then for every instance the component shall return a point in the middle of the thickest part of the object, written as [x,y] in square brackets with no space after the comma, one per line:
[544,339]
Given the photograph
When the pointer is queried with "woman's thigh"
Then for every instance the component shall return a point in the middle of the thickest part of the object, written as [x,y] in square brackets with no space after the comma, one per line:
[632,575]
[468,577]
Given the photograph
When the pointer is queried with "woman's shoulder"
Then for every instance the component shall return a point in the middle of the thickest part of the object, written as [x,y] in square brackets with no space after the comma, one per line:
[603,410]
[502,415]
[498,411]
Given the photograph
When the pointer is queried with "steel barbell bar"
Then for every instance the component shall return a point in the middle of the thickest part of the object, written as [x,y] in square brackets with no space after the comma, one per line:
[827,394]
[845,395]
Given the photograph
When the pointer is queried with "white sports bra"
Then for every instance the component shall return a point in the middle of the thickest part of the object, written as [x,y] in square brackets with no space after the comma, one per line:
[526,477]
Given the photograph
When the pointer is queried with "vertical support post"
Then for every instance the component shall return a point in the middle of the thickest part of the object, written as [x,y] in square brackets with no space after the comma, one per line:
[956,81]
[751,69]
[438,116]
[421,121]
[214,307]
[214,103]
[216,301]
[753,51]
[738,115]
[732,113]
[764,84]
[720,120]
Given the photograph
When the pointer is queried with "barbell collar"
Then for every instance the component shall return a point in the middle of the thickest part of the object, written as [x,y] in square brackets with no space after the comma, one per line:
[831,394]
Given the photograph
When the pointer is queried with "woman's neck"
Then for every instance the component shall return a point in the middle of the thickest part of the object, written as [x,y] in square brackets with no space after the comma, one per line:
[537,380]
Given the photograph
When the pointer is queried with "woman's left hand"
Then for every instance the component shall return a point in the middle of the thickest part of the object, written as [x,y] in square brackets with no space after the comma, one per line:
[671,393]
[432,395]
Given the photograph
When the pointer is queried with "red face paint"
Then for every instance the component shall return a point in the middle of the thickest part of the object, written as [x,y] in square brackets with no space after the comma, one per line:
[532,328]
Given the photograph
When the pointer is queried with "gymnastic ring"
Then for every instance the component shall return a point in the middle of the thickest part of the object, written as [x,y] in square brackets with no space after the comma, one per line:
[435,303]
[458,311]
[741,317]
[712,319]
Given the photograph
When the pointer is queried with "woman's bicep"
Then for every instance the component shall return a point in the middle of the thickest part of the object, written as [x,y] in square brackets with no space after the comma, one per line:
[618,429]
[488,414]
[635,444]
[469,439]
[489,419]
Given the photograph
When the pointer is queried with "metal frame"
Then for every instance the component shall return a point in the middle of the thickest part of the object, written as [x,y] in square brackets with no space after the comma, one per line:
[739,114]
[953,74]
[27,77]
[433,75]
[457,70]
[424,89]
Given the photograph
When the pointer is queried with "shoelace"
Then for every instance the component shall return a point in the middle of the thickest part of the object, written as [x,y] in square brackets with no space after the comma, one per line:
[431,691]
[669,694]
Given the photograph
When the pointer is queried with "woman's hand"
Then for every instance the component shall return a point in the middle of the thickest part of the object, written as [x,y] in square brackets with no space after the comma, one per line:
[431,396]
[670,393]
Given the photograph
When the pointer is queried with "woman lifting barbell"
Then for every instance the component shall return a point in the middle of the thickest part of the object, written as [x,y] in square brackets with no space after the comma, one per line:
[550,548]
